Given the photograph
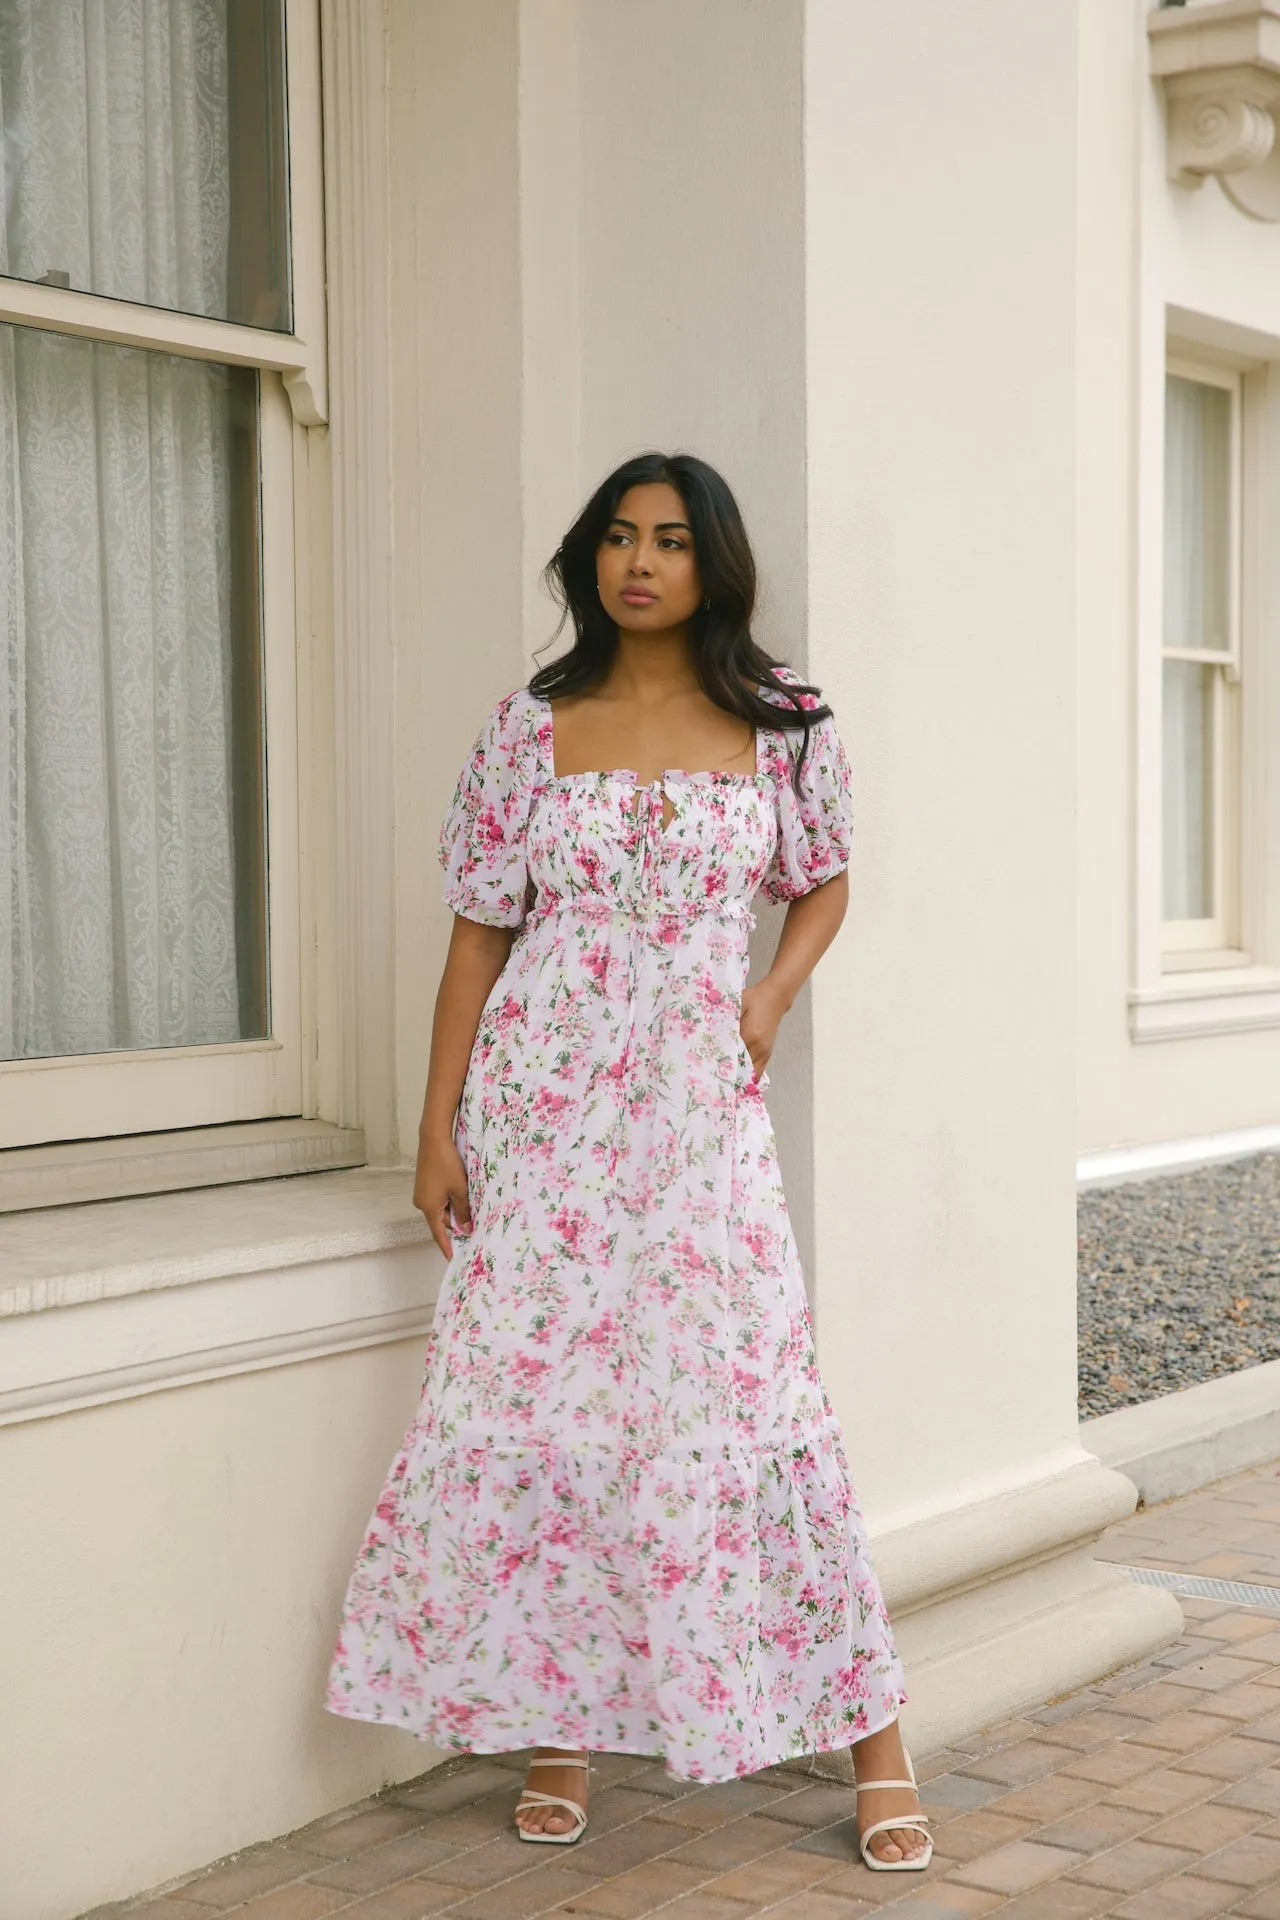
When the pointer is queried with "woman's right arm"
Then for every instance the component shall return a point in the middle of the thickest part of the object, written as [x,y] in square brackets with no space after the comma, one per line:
[477,955]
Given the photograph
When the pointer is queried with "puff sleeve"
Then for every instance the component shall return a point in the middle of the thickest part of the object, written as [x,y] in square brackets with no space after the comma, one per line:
[482,845]
[814,825]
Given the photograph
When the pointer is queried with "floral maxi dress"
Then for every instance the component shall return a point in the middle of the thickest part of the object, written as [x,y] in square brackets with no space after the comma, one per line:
[622,1518]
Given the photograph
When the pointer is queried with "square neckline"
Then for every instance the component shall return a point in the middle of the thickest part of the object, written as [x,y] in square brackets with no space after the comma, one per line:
[628,776]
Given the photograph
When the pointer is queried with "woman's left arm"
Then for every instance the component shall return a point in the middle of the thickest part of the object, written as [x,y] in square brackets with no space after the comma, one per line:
[812,923]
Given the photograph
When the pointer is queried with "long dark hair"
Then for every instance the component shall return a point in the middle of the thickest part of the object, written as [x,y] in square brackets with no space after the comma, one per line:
[728,660]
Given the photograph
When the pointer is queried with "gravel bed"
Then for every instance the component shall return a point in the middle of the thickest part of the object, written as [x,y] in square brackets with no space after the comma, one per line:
[1179,1281]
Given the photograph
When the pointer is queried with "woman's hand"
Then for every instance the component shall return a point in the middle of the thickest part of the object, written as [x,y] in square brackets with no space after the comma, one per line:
[811,925]
[440,1183]
[477,955]
[763,1006]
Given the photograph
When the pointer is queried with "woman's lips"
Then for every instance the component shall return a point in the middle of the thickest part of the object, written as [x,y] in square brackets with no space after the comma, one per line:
[637,597]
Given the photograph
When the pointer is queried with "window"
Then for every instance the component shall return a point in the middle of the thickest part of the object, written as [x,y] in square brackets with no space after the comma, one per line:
[150,386]
[144,153]
[1201,665]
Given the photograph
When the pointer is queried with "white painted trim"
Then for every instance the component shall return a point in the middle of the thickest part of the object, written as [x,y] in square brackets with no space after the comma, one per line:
[357,163]
[280,718]
[92,316]
[1113,1166]
[1186,1003]
[95,1096]
[110,1301]
[1220,928]
[124,1345]
[74,1255]
[72,1395]
[76,1172]
[1185,1006]
[1185,1440]
[308,384]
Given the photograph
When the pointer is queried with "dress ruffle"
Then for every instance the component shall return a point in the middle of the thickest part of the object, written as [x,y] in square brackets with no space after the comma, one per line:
[716,1606]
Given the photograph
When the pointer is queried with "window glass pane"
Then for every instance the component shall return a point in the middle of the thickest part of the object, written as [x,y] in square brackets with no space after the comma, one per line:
[1197,515]
[132,870]
[142,152]
[1188,790]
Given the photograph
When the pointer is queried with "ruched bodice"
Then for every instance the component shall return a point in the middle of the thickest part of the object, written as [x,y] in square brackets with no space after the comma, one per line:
[598,839]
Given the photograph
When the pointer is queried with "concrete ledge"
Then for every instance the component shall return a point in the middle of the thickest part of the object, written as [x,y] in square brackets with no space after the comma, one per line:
[70,1256]
[951,1553]
[79,1172]
[999,1603]
[1117,1166]
[134,1297]
[1186,1440]
[1091,1622]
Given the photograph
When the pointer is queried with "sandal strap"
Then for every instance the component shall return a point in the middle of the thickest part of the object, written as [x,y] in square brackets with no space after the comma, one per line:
[869,1786]
[898,1820]
[883,1826]
[567,1761]
[552,1800]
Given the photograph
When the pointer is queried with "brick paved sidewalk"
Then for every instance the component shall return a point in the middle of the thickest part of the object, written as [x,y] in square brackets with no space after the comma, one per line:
[1154,1795]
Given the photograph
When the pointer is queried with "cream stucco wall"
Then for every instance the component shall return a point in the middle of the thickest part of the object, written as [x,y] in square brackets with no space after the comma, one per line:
[456,376]
[941,396]
[174,1566]
[1146,246]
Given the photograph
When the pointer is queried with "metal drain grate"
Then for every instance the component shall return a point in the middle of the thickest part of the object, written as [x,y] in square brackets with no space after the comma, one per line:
[1202,1586]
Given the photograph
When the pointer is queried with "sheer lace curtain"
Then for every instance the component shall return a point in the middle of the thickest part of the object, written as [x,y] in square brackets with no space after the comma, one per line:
[117,921]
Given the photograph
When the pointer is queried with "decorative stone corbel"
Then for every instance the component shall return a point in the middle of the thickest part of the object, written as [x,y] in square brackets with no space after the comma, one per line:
[1219,63]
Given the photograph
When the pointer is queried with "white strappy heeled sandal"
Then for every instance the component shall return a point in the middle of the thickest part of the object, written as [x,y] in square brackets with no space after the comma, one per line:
[917,1821]
[531,1799]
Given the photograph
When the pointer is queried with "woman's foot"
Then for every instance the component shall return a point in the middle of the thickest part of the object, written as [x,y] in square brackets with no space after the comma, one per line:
[880,1757]
[566,1783]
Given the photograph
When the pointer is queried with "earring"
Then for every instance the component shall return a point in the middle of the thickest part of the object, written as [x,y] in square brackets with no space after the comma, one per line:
[707,604]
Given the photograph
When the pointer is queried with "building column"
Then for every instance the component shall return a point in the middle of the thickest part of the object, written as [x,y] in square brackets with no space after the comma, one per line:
[940,197]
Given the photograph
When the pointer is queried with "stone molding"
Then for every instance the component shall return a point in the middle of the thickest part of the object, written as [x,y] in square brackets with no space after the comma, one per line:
[1183,1441]
[1219,64]
[1000,1603]
[1188,1006]
[123,1166]
[106,1302]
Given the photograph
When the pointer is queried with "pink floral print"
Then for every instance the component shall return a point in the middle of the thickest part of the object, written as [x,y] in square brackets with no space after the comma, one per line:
[622,1518]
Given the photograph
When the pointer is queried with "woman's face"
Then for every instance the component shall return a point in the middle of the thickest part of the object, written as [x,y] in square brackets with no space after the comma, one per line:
[646,566]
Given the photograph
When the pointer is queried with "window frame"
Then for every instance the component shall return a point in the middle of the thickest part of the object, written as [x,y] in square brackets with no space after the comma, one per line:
[98,1096]
[1200,992]
[1216,940]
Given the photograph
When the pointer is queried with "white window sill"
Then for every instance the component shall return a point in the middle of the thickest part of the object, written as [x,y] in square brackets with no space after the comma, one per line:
[1185,1006]
[74,1172]
[127,1297]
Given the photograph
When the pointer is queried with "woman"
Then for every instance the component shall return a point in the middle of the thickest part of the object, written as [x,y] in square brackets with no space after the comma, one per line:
[622,1518]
